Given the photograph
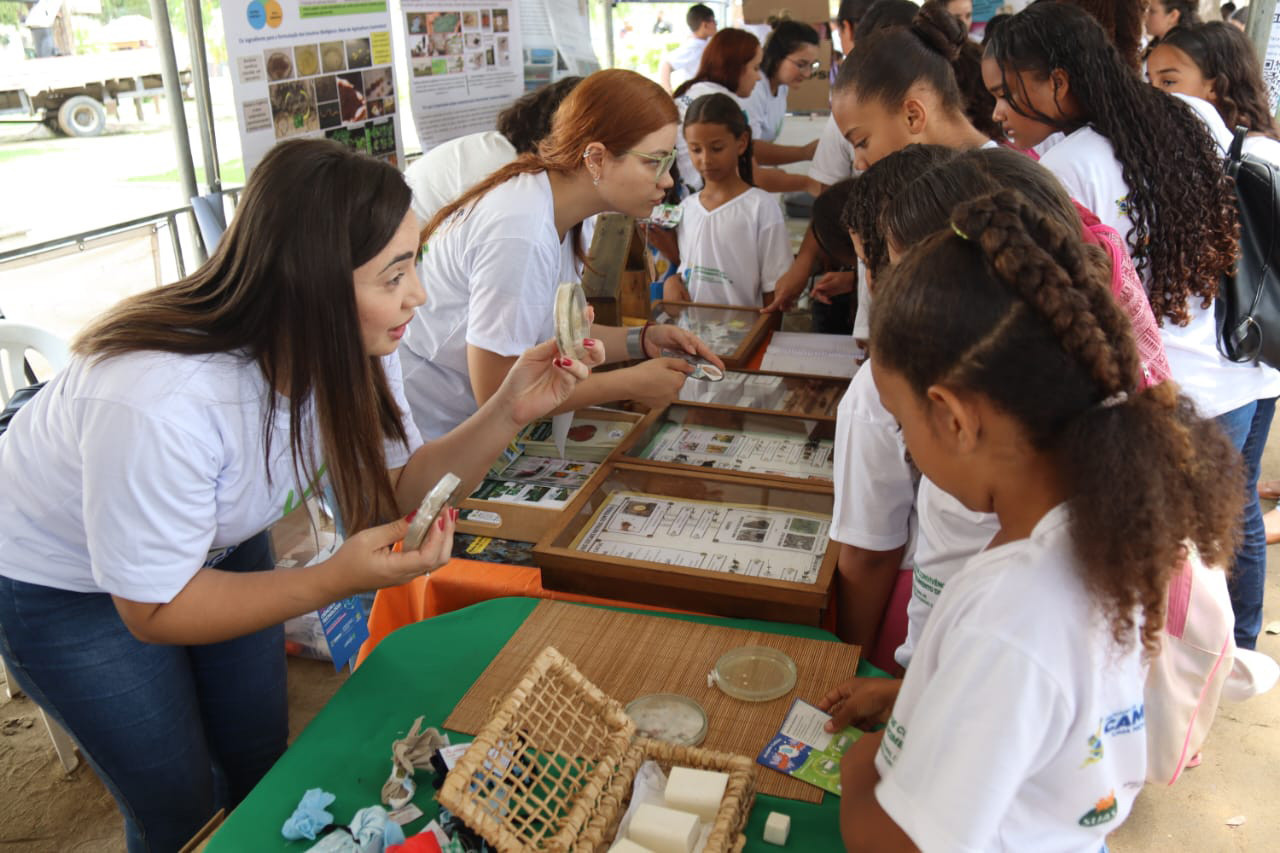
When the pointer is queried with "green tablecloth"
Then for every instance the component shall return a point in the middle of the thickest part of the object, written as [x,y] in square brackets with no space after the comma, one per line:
[424,669]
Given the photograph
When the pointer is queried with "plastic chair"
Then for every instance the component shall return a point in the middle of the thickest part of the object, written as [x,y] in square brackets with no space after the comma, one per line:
[16,340]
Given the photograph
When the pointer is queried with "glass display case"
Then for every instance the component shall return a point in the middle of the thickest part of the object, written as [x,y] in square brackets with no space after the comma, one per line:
[734,333]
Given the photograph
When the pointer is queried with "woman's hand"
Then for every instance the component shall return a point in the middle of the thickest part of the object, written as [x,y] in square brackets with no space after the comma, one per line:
[673,289]
[662,336]
[542,379]
[369,559]
[860,702]
[657,381]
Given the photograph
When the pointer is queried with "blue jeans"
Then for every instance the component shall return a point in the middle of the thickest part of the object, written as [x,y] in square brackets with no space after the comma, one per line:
[174,732]
[1247,427]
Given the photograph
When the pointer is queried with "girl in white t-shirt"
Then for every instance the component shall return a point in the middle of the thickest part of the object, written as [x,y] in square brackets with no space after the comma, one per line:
[732,238]
[493,257]
[139,606]
[1052,67]
[998,348]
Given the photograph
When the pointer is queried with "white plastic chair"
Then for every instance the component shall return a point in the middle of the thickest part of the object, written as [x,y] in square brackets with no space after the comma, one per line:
[16,341]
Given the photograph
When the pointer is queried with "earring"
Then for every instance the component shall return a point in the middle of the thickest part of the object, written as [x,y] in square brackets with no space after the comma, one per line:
[595,180]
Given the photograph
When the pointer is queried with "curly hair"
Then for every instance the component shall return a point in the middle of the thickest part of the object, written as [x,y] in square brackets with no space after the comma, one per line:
[1180,201]
[876,186]
[1225,57]
[1122,21]
[1014,311]
[934,50]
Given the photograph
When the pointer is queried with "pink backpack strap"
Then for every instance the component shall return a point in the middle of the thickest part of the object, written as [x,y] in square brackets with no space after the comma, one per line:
[1175,620]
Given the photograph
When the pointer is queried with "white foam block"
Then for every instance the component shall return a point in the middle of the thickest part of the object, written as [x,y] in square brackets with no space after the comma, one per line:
[777,826]
[626,845]
[697,791]
[664,830]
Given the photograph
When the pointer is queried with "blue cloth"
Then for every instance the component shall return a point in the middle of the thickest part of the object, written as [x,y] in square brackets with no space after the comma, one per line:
[374,830]
[310,816]
[174,732]
[1248,427]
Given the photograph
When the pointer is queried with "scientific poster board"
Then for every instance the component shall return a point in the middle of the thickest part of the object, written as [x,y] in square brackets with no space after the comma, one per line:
[313,68]
[557,41]
[464,64]
[1271,62]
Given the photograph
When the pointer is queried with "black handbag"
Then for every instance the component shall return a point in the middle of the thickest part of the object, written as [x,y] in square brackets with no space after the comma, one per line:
[1248,305]
[20,397]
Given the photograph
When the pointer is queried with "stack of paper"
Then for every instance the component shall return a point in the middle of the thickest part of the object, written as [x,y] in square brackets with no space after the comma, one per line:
[812,353]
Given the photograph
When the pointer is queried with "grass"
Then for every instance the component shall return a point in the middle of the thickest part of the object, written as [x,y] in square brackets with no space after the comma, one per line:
[7,154]
[232,173]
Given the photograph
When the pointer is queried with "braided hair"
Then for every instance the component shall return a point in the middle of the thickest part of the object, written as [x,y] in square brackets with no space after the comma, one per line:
[1007,304]
[1180,200]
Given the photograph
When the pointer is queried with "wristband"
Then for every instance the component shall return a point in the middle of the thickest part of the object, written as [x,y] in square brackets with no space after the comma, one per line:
[635,343]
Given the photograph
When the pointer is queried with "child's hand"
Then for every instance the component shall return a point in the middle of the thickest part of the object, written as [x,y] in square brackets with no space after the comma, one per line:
[673,289]
[860,702]
[833,284]
[787,289]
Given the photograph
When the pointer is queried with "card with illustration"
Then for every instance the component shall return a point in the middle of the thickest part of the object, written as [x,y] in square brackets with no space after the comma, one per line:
[804,749]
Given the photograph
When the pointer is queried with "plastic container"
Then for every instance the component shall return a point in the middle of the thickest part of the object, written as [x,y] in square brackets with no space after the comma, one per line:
[669,717]
[755,673]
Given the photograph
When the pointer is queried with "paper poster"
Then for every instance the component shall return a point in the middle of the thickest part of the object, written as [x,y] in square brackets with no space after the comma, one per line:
[715,537]
[557,41]
[753,451]
[1271,62]
[313,68]
[464,65]
[804,749]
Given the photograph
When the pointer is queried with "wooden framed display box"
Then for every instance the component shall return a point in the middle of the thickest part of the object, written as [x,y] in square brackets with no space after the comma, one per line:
[733,332]
[527,521]
[770,446]
[696,540]
[815,397]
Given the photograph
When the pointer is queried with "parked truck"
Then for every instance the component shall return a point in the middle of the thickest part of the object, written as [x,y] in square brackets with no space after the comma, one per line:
[71,94]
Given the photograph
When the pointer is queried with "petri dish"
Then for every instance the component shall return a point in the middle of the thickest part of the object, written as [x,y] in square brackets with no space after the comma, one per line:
[571,320]
[669,717]
[755,673]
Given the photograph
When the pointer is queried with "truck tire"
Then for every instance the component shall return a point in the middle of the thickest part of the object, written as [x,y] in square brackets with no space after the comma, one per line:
[81,115]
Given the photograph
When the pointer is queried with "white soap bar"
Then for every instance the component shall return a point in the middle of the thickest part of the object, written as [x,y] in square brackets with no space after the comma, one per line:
[664,830]
[697,791]
[777,826]
[626,845]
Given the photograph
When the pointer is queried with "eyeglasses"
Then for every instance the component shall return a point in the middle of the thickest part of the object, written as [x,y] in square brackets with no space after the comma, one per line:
[812,67]
[662,162]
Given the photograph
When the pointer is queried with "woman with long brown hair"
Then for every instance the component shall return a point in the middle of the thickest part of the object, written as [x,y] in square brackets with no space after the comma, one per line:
[139,606]
[495,256]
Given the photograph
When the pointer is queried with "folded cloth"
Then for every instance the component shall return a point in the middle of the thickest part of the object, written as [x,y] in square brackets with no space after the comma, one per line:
[309,817]
[374,830]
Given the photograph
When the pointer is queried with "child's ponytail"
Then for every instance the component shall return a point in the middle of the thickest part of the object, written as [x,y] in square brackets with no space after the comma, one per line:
[723,110]
[1006,303]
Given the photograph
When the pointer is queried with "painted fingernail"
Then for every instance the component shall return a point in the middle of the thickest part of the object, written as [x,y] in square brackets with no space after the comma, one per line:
[454,513]
[587,342]
[410,516]
[440,522]
[566,362]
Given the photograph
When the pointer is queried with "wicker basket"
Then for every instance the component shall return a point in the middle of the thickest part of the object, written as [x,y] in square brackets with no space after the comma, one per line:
[553,769]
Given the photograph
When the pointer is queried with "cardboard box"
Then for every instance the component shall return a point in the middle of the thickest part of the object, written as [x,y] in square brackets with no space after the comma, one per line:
[810,11]
[814,94]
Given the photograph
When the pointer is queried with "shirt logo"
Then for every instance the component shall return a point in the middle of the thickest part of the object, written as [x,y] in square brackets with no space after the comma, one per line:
[1102,812]
[1095,747]
[1125,722]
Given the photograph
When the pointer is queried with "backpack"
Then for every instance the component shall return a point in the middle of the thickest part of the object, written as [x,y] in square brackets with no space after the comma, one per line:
[1248,305]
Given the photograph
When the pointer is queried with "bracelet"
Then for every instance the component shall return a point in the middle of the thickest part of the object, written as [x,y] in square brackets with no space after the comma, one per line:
[635,343]
[643,352]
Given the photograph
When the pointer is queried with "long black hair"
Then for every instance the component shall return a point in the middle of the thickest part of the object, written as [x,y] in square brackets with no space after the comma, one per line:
[934,50]
[1180,201]
[787,37]
[719,108]
[1225,57]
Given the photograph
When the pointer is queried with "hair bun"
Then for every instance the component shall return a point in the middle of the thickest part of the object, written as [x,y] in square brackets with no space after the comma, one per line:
[939,30]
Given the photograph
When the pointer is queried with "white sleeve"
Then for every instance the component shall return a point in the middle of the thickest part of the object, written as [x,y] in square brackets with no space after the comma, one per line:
[833,159]
[510,304]
[396,453]
[149,501]
[874,486]
[862,316]
[949,787]
[774,244]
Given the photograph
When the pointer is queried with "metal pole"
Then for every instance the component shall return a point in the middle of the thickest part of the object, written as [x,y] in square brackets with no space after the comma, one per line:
[177,113]
[204,99]
[1262,14]
[608,32]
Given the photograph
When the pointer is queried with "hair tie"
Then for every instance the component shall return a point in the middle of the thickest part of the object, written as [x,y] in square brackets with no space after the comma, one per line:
[1114,400]
[959,233]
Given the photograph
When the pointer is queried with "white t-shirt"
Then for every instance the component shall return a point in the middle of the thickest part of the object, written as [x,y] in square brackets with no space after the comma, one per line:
[766,110]
[688,174]
[451,168]
[1264,148]
[875,486]
[491,275]
[948,534]
[686,58]
[1020,724]
[735,253]
[122,475]
[833,160]
[862,314]
[1087,166]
